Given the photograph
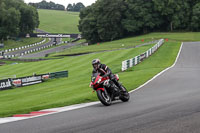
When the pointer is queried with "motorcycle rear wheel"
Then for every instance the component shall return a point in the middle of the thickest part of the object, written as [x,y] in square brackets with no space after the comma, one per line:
[104,97]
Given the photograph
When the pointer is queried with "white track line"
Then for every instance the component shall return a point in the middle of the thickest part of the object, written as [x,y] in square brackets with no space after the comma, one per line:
[160,72]
[78,106]
[57,110]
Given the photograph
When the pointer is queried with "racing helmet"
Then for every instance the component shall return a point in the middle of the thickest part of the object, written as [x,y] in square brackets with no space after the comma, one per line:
[96,63]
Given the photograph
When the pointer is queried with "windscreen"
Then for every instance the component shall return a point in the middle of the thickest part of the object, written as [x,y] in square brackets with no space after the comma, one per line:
[94,76]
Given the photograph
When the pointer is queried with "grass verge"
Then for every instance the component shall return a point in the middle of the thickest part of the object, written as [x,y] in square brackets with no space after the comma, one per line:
[74,89]
[131,41]
[118,44]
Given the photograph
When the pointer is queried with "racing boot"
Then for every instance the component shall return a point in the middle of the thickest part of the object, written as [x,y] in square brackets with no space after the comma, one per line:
[121,88]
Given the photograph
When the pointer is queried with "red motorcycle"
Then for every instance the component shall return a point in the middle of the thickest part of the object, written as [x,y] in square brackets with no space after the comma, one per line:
[107,91]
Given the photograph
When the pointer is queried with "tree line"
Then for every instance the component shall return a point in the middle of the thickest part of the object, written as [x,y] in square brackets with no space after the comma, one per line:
[107,20]
[52,6]
[16,18]
[47,5]
[75,7]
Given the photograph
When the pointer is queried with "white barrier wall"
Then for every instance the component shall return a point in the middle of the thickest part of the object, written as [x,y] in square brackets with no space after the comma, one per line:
[14,49]
[31,51]
[137,59]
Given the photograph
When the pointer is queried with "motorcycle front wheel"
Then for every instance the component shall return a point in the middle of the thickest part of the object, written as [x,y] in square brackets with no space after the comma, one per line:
[104,97]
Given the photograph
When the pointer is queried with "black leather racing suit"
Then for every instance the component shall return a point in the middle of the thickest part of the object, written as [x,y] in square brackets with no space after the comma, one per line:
[103,70]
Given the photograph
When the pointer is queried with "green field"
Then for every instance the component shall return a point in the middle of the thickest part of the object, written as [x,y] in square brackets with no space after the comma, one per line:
[74,89]
[54,21]
[130,42]
[118,44]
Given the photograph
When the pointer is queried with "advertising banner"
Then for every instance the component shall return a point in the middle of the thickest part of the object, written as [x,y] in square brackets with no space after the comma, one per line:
[45,76]
[24,81]
[5,84]
[55,35]
[60,74]
[17,82]
[31,80]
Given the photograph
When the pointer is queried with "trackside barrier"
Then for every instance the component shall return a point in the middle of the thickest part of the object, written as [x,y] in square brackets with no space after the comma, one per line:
[31,45]
[137,59]
[31,51]
[58,74]
[30,80]
[5,84]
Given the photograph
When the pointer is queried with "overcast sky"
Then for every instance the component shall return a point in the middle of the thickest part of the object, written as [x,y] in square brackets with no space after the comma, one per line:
[64,2]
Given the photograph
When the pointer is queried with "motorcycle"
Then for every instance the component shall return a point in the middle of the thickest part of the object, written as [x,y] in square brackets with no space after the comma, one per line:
[107,91]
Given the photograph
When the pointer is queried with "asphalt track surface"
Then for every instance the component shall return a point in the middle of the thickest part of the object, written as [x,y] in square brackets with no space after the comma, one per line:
[42,53]
[168,104]
[69,45]
[48,51]
[18,52]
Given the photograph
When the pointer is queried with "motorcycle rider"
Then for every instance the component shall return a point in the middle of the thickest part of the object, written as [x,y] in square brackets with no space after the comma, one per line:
[105,71]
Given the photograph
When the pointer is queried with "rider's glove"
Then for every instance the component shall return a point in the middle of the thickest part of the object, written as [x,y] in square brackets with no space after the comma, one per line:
[90,85]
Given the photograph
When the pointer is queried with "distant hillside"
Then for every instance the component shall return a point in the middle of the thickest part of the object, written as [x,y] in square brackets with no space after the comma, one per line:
[58,21]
